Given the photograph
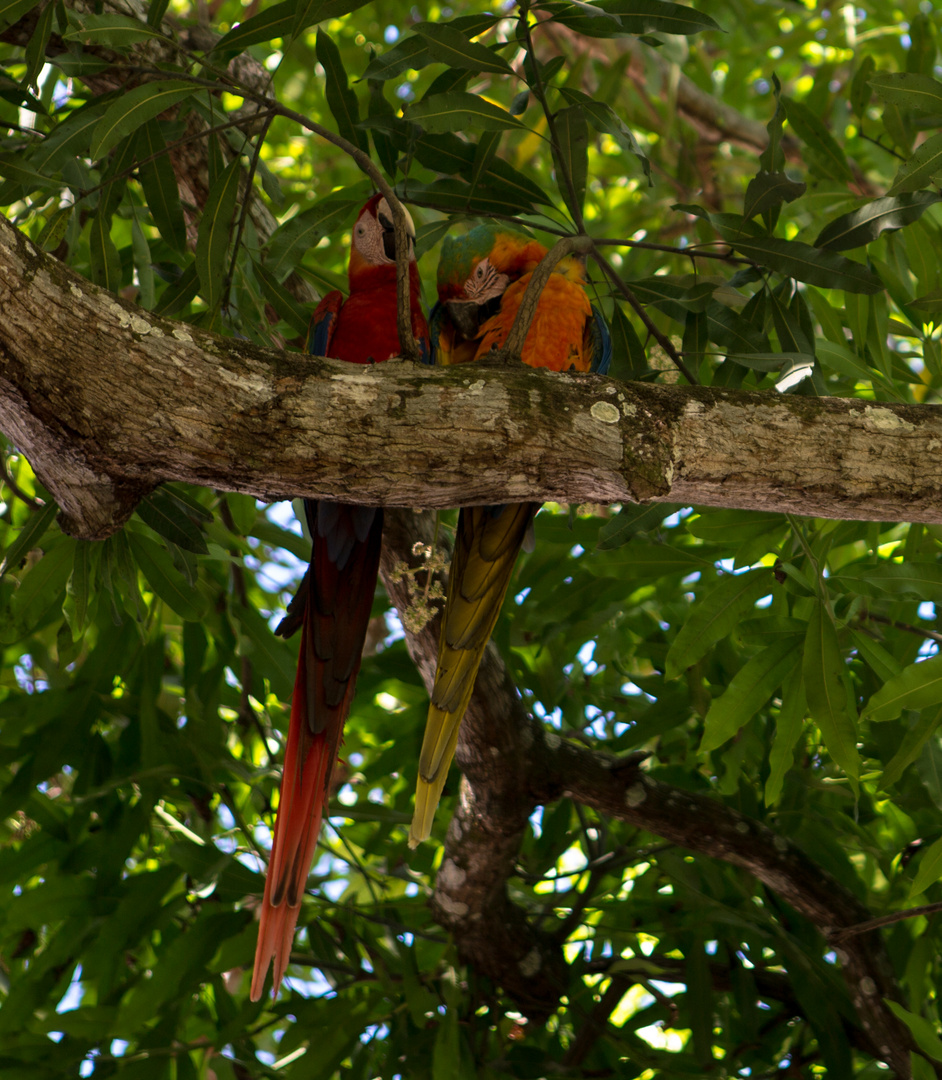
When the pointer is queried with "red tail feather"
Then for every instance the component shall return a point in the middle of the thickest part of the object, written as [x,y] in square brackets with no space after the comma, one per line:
[337,603]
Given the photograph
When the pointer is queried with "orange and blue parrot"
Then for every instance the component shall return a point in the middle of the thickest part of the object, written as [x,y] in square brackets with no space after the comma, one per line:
[332,606]
[481,281]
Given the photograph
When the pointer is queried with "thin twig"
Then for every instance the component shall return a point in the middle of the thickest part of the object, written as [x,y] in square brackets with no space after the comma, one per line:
[7,479]
[660,338]
[883,920]
[932,635]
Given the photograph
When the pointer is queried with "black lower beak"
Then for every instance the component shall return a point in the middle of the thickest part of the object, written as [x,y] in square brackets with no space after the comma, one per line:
[466,316]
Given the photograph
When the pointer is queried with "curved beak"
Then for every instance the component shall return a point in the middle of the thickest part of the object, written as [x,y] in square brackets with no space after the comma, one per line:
[466,316]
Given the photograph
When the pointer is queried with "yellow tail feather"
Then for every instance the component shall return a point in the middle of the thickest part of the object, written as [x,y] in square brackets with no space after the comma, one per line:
[486,546]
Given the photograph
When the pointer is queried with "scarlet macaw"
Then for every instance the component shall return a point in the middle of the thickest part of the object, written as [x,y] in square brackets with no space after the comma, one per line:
[481,281]
[332,605]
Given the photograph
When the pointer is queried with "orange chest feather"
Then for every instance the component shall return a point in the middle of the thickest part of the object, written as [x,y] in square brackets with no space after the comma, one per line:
[555,337]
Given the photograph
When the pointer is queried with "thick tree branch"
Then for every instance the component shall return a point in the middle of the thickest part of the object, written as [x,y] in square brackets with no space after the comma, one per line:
[108,401]
[512,764]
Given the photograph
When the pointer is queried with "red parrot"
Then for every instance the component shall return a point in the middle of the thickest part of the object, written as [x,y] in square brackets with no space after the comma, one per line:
[481,281]
[332,605]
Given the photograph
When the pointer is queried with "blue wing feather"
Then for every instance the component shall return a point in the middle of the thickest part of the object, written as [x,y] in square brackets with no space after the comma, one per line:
[323,323]
[599,340]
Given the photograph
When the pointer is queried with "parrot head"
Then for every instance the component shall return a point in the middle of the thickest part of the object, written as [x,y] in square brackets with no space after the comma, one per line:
[374,236]
[476,268]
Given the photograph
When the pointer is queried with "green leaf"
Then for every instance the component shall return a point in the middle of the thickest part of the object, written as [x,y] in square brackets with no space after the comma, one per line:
[811,130]
[925,163]
[157,178]
[289,243]
[860,90]
[917,686]
[35,51]
[135,108]
[43,585]
[274,22]
[768,190]
[109,29]
[341,100]
[749,689]
[911,747]
[168,517]
[571,153]
[296,315]
[633,519]
[788,728]
[12,11]
[448,45]
[212,244]
[909,91]
[823,671]
[78,585]
[629,360]
[29,537]
[106,263]
[772,159]
[243,510]
[620,17]
[715,615]
[448,154]
[164,580]
[922,580]
[805,263]
[866,223]
[459,111]
[930,870]
[923,1032]
[410,53]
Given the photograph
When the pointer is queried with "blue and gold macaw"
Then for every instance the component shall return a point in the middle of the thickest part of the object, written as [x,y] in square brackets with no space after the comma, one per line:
[332,606]
[481,281]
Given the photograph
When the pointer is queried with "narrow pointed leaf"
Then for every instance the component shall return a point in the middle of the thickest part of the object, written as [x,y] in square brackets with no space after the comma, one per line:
[812,131]
[449,46]
[922,1031]
[164,580]
[159,182]
[459,111]
[135,108]
[823,669]
[572,133]
[12,11]
[768,190]
[866,223]
[788,727]
[29,536]
[925,163]
[341,100]
[277,21]
[909,90]
[916,687]
[166,516]
[212,244]
[715,615]
[803,262]
[749,689]
[109,29]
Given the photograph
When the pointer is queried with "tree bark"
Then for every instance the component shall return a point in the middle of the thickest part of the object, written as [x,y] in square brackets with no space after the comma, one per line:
[107,401]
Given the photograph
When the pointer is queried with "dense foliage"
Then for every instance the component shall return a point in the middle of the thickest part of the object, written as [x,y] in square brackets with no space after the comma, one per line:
[762,176]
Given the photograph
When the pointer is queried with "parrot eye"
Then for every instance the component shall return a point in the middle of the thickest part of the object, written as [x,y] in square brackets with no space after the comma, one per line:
[361,230]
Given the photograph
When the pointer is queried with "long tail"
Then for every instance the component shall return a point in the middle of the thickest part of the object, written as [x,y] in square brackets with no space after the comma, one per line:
[332,608]
[487,543]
